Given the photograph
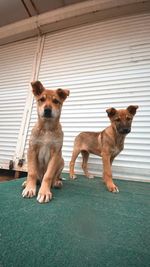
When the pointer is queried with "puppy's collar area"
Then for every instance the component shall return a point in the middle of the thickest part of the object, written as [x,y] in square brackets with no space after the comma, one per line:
[50,124]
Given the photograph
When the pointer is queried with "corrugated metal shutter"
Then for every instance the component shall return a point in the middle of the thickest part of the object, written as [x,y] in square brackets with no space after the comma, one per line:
[103,64]
[16,62]
[32,121]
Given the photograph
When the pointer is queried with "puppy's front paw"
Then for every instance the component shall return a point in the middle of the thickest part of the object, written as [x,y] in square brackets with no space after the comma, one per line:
[29,190]
[73,177]
[44,196]
[112,188]
[58,184]
[90,176]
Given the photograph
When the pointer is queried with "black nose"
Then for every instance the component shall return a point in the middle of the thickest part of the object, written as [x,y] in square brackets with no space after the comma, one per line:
[47,112]
[126,130]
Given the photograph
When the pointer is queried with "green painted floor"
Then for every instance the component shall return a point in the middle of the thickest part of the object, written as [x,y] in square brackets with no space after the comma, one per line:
[83,226]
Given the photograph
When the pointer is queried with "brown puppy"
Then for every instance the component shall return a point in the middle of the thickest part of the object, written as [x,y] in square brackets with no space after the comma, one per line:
[107,144]
[45,160]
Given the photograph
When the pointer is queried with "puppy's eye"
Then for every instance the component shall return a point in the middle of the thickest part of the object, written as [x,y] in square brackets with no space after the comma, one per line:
[117,119]
[55,101]
[128,118]
[42,99]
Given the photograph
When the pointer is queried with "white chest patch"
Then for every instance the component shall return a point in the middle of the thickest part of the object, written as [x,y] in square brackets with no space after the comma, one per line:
[45,141]
[44,154]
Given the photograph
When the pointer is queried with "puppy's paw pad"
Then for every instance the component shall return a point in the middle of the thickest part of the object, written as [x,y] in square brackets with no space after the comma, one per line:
[29,192]
[44,198]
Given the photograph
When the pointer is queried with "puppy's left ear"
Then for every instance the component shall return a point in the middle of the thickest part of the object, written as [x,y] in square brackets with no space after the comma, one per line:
[132,109]
[62,93]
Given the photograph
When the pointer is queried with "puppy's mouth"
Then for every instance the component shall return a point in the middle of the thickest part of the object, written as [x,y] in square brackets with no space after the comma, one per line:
[124,131]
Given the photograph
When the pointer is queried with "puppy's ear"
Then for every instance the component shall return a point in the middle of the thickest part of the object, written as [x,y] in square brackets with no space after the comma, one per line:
[37,88]
[132,109]
[111,112]
[62,93]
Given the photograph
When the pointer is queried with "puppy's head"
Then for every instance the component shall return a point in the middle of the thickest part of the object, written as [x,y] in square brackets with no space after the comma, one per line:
[121,119]
[49,102]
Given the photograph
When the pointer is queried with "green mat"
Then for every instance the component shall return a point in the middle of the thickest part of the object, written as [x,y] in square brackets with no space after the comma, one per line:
[83,226]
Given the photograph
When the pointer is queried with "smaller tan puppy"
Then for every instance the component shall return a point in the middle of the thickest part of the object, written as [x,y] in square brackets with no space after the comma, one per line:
[107,144]
[45,160]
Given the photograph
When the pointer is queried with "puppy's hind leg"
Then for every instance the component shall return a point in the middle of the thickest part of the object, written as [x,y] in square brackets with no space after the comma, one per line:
[75,154]
[85,156]
[57,182]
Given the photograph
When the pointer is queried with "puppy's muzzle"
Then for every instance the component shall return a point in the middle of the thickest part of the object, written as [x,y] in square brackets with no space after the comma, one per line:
[124,131]
[47,113]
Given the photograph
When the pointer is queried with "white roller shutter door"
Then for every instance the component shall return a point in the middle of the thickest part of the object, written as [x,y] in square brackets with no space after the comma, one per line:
[104,64]
[16,62]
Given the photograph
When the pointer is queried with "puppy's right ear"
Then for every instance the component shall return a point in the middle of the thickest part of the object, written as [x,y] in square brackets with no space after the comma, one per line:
[37,88]
[111,112]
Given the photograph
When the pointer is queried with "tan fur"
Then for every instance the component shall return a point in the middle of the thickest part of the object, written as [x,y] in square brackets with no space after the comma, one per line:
[106,144]
[44,155]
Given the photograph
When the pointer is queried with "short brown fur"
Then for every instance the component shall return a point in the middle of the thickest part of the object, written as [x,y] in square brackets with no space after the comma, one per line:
[107,144]
[45,160]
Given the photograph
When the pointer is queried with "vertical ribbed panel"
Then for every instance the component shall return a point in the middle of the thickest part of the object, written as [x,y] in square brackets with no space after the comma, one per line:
[32,121]
[103,64]
[16,62]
